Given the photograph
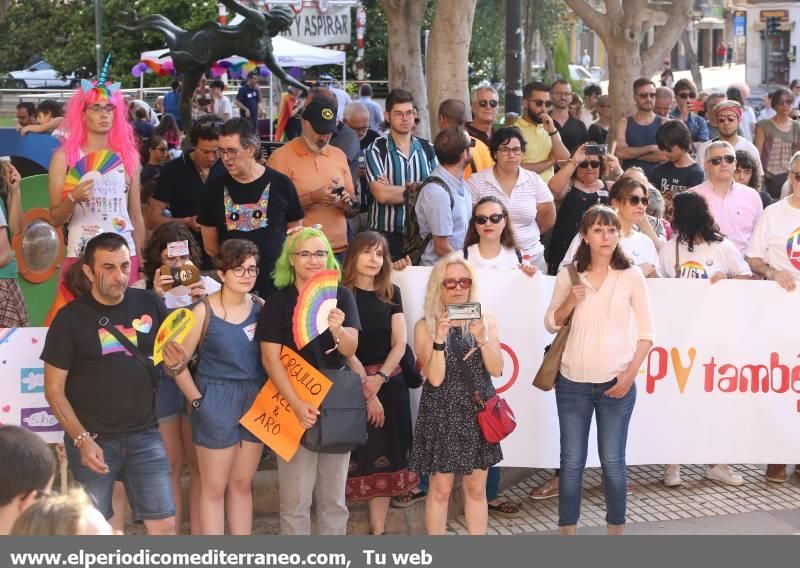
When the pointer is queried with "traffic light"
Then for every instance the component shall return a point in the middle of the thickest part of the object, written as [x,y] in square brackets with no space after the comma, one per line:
[773,26]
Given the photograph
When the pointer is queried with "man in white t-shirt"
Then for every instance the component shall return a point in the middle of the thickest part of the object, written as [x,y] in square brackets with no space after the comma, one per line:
[729,118]
[221,106]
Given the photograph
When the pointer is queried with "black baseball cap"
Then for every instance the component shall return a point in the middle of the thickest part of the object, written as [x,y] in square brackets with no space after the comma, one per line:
[322,117]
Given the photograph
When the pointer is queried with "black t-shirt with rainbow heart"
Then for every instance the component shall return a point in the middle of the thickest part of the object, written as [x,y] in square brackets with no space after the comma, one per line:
[109,389]
[258,211]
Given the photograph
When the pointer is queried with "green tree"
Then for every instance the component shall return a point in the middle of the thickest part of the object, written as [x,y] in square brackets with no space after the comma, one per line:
[542,18]
[487,47]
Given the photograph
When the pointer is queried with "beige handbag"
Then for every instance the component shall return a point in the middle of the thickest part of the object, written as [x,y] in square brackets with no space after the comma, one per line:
[551,364]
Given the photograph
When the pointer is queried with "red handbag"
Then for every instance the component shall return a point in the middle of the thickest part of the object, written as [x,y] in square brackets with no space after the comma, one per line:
[496,420]
[495,417]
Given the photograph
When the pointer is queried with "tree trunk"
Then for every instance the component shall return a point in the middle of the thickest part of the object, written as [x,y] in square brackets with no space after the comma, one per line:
[404,26]
[691,57]
[448,53]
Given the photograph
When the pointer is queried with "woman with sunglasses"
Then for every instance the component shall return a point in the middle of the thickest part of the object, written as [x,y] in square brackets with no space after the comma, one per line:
[777,138]
[612,320]
[169,131]
[305,253]
[577,186]
[379,470]
[229,375]
[628,198]
[490,241]
[154,155]
[525,195]
[447,438]
[774,253]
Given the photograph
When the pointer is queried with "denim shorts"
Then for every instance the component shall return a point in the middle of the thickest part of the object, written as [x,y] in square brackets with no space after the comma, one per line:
[215,425]
[169,399]
[140,462]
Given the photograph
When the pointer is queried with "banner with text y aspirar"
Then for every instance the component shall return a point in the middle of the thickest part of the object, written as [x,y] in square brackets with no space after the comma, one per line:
[720,385]
[271,419]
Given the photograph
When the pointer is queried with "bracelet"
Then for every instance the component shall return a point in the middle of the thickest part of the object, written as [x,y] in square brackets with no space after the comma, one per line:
[553,133]
[83,436]
[438,346]
[177,369]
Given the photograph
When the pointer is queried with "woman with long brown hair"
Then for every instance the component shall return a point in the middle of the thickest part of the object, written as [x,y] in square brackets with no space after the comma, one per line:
[379,470]
[610,298]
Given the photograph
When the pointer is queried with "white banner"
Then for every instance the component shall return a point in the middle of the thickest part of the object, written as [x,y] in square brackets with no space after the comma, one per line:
[721,384]
[311,26]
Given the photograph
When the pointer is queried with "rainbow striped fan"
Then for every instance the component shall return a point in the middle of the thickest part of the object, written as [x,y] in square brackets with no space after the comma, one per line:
[101,162]
[314,304]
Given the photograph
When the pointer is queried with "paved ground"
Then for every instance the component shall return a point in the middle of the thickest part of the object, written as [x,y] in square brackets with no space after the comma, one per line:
[697,507]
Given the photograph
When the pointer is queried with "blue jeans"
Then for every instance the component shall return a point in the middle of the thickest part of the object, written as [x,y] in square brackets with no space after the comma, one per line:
[139,460]
[576,403]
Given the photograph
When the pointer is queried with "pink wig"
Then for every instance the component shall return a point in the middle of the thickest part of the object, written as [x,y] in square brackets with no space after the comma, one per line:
[120,137]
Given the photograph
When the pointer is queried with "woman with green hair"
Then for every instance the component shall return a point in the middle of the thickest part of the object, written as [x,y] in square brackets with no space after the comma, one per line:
[306,252]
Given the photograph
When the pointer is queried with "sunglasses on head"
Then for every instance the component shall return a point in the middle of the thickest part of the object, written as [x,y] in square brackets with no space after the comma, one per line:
[495,218]
[591,164]
[685,95]
[636,200]
[484,103]
[540,102]
[452,283]
[718,160]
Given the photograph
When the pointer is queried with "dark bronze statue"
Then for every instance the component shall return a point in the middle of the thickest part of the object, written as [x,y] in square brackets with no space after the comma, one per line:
[194,51]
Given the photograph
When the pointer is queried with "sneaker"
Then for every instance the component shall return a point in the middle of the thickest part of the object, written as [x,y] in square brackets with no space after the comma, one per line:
[629,488]
[672,475]
[546,490]
[776,473]
[724,473]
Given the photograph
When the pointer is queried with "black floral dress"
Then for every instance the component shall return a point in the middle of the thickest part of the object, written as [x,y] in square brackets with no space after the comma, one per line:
[447,438]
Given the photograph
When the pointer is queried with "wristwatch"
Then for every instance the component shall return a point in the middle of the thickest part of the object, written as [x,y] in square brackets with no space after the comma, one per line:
[383,375]
[197,402]
[438,346]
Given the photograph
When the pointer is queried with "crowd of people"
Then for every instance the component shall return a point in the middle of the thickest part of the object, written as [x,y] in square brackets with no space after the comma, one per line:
[682,184]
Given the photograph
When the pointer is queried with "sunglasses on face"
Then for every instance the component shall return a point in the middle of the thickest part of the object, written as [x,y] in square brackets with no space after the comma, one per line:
[786,102]
[494,218]
[540,102]
[591,164]
[728,118]
[491,102]
[636,200]
[718,160]
[646,95]
[685,95]
[796,175]
[452,283]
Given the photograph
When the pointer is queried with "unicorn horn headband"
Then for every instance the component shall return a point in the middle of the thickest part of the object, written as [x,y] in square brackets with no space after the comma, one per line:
[100,84]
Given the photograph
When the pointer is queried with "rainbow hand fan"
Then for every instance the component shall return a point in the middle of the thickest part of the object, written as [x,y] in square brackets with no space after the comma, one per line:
[91,166]
[314,304]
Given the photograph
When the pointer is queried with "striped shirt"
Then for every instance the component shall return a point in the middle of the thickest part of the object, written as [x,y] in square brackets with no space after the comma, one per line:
[385,159]
[528,193]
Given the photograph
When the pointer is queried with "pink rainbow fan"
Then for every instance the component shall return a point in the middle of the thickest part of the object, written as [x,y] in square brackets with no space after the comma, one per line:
[91,166]
[314,304]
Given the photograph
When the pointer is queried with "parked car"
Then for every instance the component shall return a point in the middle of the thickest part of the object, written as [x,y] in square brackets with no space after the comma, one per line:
[579,74]
[41,75]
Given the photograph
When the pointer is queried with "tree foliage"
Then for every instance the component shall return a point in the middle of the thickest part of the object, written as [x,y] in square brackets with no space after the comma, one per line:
[63,32]
[487,48]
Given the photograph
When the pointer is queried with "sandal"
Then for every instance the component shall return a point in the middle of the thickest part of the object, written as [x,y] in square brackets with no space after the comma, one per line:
[546,490]
[407,499]
[504,509]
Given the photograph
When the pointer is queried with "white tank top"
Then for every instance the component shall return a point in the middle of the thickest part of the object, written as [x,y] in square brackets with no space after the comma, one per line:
[105,212]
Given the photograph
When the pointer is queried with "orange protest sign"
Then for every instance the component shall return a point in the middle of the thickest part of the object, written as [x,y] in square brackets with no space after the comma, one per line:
[271,419]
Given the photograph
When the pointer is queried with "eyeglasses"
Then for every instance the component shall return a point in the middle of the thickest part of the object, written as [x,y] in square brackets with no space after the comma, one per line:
[636,200]
[540,102]
[452,283]
[240,271]
[795,116]
[727,118]
[506,151]
[209,123]
[786,101]
[646,95]
[307,254]
[495,218]
[591,164]
[718,160]
[161,148]
[796,175]
[685,95]
[491,102]
[97,109]
[404,115]
[224,152]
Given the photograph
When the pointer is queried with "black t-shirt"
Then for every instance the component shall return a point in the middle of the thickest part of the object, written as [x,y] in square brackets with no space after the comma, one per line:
[109,389]
[275,325]
[568,221]
[258,211]
[573,133]
[671,180]
[375,339]
[597,134]
[181,188]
